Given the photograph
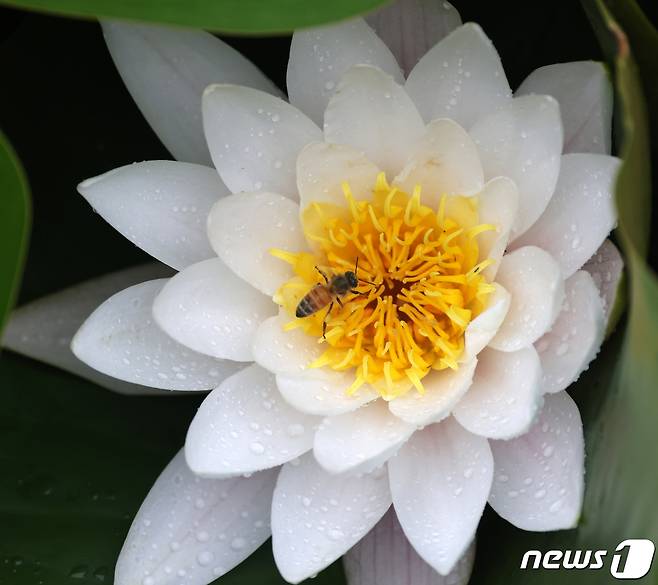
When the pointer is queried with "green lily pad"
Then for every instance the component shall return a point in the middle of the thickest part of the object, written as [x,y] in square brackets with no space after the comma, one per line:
[14,225]
[229,16]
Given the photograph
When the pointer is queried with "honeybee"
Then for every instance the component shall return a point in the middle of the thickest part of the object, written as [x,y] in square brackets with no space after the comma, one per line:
[331,291]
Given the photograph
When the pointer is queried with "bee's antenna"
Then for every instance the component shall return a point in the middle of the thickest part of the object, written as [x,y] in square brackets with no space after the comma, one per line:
[356,271]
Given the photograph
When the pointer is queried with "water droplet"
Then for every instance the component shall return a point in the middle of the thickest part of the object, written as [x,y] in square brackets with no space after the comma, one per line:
[202,536]
[335,534]
[79,572]
[257,448]
[205,558]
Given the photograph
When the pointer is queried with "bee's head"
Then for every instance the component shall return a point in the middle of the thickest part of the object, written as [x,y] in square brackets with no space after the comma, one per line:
[352,279]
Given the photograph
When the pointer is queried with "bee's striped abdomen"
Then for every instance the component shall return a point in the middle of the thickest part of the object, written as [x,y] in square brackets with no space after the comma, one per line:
[317,298]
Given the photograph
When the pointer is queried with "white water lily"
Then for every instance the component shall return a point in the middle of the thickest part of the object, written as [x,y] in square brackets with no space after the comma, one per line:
[440,385]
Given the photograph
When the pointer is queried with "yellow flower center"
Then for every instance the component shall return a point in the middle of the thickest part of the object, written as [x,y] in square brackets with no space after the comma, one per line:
[427,284]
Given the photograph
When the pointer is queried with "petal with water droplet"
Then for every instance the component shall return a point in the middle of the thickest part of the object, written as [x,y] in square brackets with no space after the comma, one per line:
[410,28]
[243,228]
[193,528]
[317,517]
[320,56]
[322,169]
[539,475]
[584,93]
[244,425]
[443,390]
[323,392]
[284,352]
[440,481]
[481,330]
[534,280]
[166,70]
[445,161]
[523,141]
[254,138]
[385,557]
[372,113]
[505,395]
[606,268]
[43,329]
[576,336]
[581,213]
[360,440]
[211,310]
[121,339]
[160,206]
[460,78]
[498,205]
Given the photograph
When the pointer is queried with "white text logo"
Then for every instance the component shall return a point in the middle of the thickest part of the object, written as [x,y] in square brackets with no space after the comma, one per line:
[631,560]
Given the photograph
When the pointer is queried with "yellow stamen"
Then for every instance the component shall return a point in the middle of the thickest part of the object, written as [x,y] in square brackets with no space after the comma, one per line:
[429,285]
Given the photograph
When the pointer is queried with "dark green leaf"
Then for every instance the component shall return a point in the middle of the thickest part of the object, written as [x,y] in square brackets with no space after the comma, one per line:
[14,226]
[229,16]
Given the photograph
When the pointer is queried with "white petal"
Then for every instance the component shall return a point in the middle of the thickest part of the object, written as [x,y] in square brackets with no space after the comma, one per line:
[581,213]
[284,352]
[323,392]
[533,279]
[243,228]
[498,205]
[254,138]
[505,395]
[443,390]
[322,168]
[461,78]
[244,425]
[371,112]
[160,206]
[444,162]
[360,440]
[481,330]
[211,310]
[316,516]
[43,329]
[195,528]
[412,27]
[167,69]
[584,92]
[385,557]
[523,141]
[319,57]
[120,339]
[576,336]
[539,476]
[440,481]
[606,268]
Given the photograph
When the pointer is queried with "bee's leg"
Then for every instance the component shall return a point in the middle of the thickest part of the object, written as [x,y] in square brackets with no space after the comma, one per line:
[324,322]
[339,302]
[326,278]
